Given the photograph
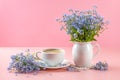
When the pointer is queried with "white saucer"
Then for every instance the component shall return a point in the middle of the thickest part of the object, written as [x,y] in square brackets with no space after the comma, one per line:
[64,64]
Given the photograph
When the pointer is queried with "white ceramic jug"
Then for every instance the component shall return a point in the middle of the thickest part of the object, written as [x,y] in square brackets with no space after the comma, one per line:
[82,53]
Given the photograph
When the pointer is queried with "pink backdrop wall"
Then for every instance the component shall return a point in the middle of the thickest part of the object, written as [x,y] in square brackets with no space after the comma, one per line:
[32,22]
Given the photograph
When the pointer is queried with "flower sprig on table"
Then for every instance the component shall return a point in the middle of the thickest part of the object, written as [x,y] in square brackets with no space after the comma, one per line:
[101,66]
[24,63]
[83,26]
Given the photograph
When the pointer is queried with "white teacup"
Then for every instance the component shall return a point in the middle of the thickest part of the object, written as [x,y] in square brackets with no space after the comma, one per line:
[52,57]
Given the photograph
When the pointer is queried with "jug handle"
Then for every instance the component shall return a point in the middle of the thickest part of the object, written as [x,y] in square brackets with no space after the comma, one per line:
[98,50]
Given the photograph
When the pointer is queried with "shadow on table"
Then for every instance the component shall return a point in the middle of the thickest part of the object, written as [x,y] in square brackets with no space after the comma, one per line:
[56,70]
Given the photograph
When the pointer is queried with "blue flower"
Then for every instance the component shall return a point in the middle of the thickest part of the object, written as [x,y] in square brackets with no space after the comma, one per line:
[24,63]
[92,27]
[82,22]
[80,31]
[13,57]
[75,35]
[68,31]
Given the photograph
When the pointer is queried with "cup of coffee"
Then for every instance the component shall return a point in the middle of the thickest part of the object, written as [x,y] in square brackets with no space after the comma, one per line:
[52,57]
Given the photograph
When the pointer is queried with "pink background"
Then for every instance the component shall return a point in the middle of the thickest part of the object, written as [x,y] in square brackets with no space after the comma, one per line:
[32,22]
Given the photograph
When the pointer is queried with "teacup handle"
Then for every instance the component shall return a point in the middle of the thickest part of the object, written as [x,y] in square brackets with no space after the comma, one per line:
[36,55]
[98,49]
